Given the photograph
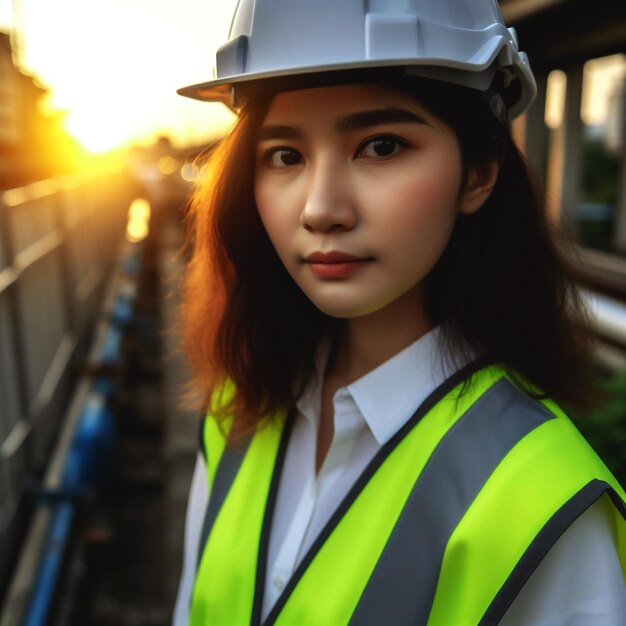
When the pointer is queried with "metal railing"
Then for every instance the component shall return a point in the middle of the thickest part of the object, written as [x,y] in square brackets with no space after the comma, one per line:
[58,241]
[82,459]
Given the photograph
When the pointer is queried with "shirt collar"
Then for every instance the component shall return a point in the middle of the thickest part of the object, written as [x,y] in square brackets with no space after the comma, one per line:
[390,394]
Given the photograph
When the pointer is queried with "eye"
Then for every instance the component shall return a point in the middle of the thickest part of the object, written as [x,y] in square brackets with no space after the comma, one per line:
[380,147]
[284,157]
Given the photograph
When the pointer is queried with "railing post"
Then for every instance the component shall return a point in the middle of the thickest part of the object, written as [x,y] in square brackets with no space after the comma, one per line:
[619,238]
[12,305]
[573,145]
[536,133]
[64,258]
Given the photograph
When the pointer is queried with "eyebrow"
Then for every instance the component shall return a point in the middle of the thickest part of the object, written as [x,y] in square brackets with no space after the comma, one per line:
[355,121]
[377,117]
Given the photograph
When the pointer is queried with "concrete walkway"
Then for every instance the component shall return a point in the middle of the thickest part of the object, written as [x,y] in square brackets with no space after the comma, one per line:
[135,538]
[181,423]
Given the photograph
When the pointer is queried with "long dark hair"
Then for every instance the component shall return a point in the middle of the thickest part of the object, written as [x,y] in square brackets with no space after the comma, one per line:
[502,286]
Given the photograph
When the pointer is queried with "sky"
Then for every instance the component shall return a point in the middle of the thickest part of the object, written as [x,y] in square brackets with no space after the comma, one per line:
[114,66]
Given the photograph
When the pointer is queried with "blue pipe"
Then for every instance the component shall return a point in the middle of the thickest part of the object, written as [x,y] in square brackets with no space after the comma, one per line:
[122,310]
[131,263]
[111,348]
[50,567]
[90,451]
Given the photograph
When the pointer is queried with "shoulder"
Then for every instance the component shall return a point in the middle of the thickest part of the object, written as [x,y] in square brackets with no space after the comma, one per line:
[579,580]
[558,507]
[551,459]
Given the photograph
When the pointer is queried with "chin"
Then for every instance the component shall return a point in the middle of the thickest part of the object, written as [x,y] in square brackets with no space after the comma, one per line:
[345,308]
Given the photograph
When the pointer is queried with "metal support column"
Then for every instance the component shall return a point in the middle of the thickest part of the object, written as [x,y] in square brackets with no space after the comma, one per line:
[65,263]
[619,237]
[10,289]
[537,135]
[573,144]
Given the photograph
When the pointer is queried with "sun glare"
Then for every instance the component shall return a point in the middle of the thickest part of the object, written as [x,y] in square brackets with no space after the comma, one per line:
[114,69]
[97,137]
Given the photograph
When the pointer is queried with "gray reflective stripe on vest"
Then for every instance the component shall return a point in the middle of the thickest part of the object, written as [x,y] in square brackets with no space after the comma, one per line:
[224,477]
[402,586]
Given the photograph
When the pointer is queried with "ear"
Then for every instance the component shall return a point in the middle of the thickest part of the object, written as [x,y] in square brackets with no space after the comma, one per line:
[480,184]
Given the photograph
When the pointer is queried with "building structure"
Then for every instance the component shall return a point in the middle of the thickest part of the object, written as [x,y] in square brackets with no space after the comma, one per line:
[33,142]
[564,35]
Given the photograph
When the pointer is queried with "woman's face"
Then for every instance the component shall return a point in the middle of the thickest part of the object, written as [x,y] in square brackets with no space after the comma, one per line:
[358,190]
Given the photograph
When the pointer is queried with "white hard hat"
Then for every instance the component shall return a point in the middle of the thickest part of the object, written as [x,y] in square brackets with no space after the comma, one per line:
[459,41]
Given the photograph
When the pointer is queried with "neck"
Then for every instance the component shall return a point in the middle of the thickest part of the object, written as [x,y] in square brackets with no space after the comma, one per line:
[370,340]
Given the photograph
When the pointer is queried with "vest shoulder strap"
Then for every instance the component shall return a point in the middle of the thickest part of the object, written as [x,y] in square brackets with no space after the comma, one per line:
[547,480]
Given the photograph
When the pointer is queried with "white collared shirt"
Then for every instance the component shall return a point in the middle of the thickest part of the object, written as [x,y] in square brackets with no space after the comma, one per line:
[578,583]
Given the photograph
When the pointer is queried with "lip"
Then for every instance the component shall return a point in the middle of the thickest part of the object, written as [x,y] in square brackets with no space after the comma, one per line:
[335,264]
[333,257]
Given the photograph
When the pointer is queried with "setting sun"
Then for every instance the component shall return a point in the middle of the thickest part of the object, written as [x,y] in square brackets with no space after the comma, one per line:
[114,69]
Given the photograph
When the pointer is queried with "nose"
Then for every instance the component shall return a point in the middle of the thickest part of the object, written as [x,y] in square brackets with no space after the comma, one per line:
[328,205]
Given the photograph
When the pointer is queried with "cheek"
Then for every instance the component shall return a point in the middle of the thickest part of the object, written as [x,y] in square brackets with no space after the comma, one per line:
[419,204]
[276,213]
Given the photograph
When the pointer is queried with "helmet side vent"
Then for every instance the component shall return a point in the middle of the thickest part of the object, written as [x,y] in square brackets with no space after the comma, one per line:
[230,59]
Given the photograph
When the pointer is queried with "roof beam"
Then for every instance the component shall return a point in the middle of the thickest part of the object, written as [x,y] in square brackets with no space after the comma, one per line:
[516,10]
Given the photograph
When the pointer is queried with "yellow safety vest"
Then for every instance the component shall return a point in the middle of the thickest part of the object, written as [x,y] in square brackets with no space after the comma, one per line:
[443,527]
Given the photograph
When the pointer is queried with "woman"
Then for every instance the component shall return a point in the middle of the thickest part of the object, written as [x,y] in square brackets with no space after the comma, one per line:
[380,319]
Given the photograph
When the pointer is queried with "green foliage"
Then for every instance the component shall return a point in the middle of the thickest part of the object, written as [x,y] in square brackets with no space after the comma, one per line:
[596,234]
[605,428]
[601,174]
[600,179]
